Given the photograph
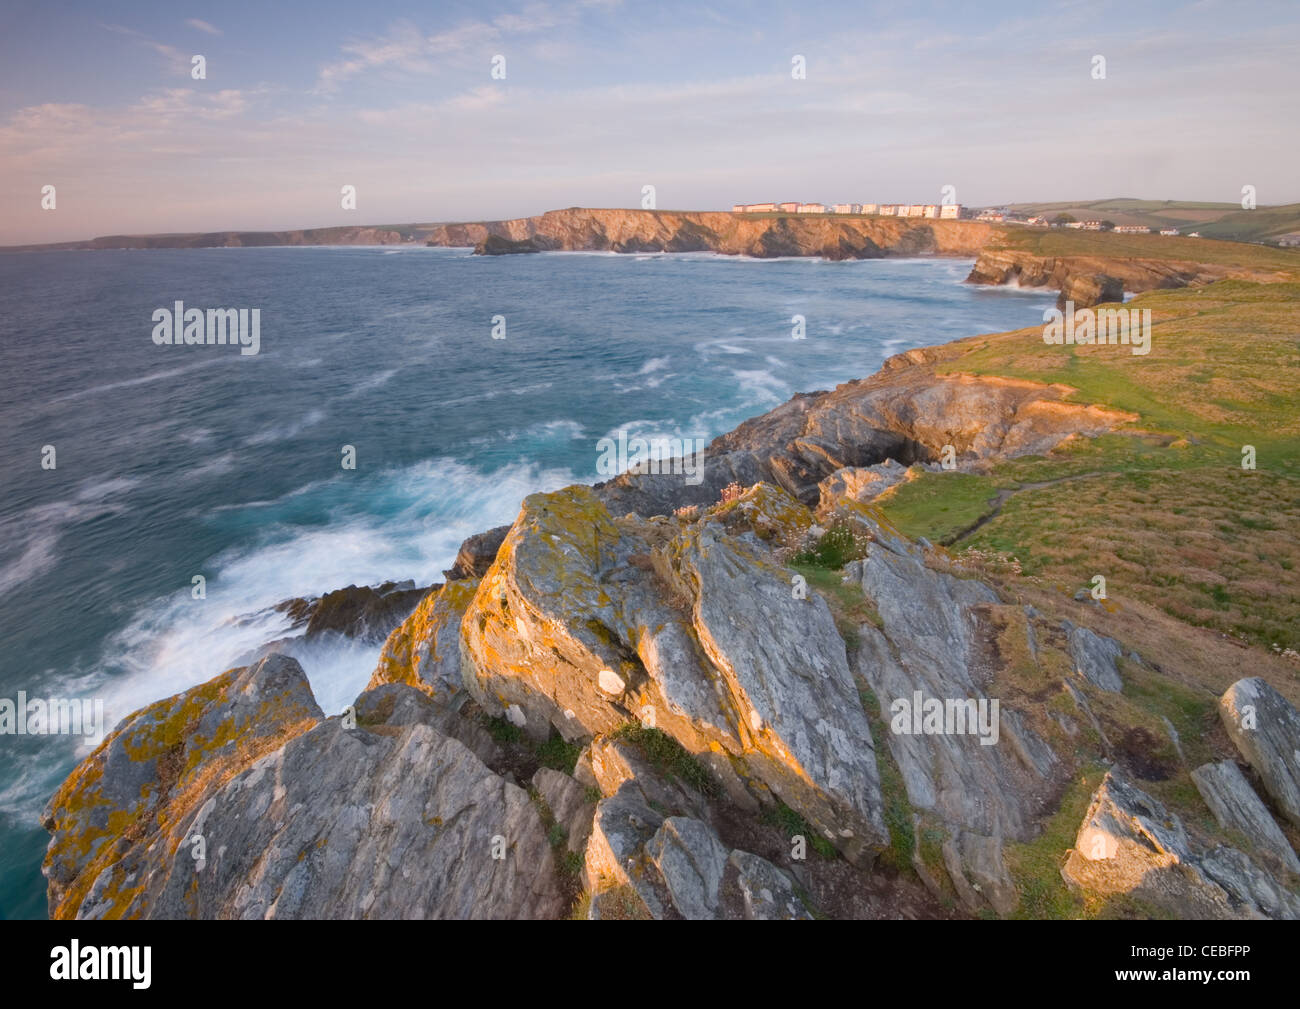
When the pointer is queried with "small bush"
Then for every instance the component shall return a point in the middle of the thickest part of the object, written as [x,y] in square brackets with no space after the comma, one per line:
[840,544]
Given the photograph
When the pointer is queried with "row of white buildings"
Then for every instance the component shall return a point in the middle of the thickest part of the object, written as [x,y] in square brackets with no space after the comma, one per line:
[940,211]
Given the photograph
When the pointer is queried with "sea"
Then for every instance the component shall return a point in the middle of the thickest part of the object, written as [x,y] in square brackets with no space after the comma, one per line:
[460,384]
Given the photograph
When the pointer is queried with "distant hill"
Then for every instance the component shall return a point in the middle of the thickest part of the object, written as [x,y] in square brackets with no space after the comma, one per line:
[1213,220]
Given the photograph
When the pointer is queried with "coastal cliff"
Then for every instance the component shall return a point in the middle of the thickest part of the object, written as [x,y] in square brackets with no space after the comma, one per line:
[1090,269]
[651,699]
[580,229]
[1103,275]
[1092,280]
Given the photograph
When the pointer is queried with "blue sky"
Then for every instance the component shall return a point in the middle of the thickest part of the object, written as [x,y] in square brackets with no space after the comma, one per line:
[601,98]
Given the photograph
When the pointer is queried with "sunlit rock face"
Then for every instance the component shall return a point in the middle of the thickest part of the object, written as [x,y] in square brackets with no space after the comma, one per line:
[585,622]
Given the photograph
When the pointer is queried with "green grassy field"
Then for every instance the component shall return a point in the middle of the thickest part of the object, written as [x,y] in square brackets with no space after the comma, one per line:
[1213,220]
[1164,508]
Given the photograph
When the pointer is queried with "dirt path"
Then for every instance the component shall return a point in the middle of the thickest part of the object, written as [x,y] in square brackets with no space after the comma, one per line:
[996,502]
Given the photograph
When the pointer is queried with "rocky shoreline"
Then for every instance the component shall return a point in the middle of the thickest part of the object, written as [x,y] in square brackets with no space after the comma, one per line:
[647,699]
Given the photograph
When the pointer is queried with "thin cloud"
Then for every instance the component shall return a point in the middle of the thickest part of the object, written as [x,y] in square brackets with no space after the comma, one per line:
[203,26]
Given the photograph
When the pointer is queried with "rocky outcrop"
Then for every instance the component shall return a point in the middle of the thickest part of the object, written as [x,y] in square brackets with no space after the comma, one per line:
[861,484]
[1130,845]
[476,554]
[585,622]
[358,611]
[122,815]
[678,867]
[496,245]
[967,760]
[1265,727]
[1094,280]
[905,413]
[1096,657]
[1236,807]
[166,822]
[424,650]
[328,827]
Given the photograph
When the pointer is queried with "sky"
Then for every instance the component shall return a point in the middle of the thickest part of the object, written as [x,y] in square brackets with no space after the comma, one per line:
[601,98]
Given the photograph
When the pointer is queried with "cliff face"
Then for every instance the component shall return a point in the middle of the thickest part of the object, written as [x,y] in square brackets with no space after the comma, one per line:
[1093,280]
[1085,280]
[586,230]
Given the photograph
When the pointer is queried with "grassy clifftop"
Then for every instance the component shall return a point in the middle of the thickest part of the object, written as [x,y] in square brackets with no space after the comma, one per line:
[1164,510]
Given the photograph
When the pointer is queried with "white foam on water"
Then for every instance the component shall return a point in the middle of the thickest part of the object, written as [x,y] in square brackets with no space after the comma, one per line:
[420,515]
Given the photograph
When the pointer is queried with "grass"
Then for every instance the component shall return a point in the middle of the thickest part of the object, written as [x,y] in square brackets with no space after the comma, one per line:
[502,731]
[1103,244]
[1163,508]
[893,792]
[848,604]
[939,505]
[1036,865]
[558,754]
[790,823]
[668,757]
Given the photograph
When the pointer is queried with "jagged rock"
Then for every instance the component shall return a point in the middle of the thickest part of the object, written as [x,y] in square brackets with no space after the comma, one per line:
[476,555]
[235,800]
[1091,280]
[691,861]
[678,867]
[859,483]
[129,797]
[928,644]
[624,823]
[568,803]
[1256,888]
[358,615]
[704,633]
[906,414]
[1095,657]
[326,828]
[1130,844]
[766,892]
[358,611]
[1236,807]
[424,651]
[397,704]
[772,515]
[1266,730]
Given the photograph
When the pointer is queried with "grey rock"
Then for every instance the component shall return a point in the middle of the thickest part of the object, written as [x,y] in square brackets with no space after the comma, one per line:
[1236,807]
[329,827]
[691,860]
[766,892]
[1095,657]
[476,554]
[1256,889]
[153,769]
[1130,844]
[929,643]
[568,803]
[705,636]
[1266,730]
